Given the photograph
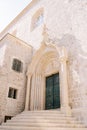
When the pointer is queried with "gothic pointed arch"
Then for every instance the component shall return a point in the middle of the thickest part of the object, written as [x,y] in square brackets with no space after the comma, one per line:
[48,60]
[44,52]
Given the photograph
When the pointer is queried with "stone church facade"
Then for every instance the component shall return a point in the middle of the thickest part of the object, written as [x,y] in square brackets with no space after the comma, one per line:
[43,59]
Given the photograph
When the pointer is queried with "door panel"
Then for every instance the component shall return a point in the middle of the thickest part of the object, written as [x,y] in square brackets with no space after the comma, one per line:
[52,92]
[49,91]
[56,97]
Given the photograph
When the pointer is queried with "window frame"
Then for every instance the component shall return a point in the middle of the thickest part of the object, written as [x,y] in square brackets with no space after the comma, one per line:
[39,15]
[17,65]
[12,93]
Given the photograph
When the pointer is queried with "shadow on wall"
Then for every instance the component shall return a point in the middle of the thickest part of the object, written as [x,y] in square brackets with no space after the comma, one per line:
[77,62]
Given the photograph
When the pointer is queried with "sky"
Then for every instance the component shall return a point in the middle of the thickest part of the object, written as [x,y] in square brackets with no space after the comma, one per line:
[9,9]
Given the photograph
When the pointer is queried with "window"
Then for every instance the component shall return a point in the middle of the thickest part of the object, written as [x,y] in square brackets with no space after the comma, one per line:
[12,93]
[37,19]
[17,65]
[7,118]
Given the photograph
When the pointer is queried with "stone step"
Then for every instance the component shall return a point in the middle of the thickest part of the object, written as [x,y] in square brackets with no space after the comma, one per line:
[47,112]
[43,111]
[27,114]
[38,128]
[43,117]
[44,120]
[44,124]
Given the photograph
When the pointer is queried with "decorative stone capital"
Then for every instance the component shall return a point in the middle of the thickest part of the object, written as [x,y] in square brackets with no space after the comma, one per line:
[62,59]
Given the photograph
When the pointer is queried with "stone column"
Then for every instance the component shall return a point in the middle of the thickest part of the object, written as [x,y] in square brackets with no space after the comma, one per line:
[28,93]
[33,91]
[42,93]
[40,99]
[38,92]
[34,98]
[64,83]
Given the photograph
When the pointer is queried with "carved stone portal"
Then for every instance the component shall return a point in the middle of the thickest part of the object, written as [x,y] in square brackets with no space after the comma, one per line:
[48,60]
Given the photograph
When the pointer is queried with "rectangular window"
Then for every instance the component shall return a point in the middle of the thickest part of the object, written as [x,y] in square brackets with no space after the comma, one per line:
[12,93]
[17,65]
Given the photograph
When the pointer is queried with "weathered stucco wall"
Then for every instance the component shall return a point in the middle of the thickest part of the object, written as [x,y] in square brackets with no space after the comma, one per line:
[66,21]
[10,78]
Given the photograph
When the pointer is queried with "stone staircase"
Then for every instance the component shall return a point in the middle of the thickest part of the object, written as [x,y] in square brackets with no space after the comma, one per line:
[42,120]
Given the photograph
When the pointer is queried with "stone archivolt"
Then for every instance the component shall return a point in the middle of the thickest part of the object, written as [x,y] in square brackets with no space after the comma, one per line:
[48,60]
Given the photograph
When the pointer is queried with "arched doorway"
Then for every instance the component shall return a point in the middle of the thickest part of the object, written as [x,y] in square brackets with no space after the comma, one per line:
[47,61]
[47,65]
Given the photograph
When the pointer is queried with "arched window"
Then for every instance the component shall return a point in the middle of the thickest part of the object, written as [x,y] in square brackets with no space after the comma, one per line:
[37,19]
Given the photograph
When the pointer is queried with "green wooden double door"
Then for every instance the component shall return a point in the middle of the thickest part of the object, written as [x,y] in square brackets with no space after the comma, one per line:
[52,92]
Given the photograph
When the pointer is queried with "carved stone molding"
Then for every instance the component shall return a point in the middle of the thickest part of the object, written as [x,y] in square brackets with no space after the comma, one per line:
[44,57]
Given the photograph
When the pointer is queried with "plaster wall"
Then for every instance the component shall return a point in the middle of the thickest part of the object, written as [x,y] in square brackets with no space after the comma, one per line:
[10,78]
[66,21]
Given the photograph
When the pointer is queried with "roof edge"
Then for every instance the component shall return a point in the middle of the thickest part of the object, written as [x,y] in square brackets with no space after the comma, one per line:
[15,20]
[21,41]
